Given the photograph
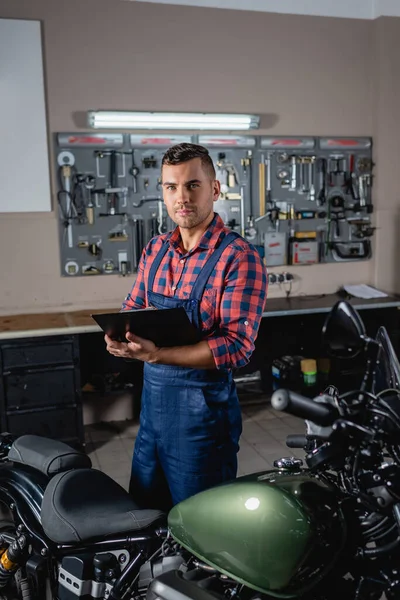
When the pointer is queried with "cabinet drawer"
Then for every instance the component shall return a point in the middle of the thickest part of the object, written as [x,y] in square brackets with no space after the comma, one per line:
[34,355]
[60,424]
[39,388]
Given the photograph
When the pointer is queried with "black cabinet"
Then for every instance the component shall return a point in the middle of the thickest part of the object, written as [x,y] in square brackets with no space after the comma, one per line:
[40,389]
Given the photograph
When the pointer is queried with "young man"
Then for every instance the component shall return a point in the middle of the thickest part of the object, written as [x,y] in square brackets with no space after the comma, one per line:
[190,420]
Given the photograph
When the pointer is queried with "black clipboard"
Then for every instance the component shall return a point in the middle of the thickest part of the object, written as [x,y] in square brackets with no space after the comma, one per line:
[165,327]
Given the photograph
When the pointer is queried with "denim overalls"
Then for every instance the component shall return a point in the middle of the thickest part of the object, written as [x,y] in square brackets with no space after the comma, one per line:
[190,420]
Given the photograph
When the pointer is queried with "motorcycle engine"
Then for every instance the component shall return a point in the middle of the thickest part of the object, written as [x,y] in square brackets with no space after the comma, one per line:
[90,576]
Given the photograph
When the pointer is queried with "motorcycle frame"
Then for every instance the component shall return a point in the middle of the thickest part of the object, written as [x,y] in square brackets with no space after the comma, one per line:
[21,492]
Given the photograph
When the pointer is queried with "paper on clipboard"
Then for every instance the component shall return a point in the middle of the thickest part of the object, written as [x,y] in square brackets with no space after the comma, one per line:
[366,292]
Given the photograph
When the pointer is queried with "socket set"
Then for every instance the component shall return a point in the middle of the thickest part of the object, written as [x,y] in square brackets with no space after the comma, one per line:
[300,200]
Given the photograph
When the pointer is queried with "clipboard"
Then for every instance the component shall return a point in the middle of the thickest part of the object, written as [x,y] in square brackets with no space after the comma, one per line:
[165,327]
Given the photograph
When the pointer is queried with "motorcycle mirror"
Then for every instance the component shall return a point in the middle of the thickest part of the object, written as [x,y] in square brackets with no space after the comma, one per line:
[344,332]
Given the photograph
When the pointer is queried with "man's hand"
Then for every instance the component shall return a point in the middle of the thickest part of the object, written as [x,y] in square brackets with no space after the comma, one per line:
[197,356]
[135,347]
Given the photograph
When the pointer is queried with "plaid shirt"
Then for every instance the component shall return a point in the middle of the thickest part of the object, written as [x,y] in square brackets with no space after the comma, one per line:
[234,297]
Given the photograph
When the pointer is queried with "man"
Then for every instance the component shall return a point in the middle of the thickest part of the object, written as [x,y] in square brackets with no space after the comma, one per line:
[190,420]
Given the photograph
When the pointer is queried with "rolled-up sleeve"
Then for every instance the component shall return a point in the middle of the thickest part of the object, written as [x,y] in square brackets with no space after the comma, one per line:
[242,305]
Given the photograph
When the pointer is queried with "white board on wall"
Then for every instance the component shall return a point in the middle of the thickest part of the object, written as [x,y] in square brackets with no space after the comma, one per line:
[24,157]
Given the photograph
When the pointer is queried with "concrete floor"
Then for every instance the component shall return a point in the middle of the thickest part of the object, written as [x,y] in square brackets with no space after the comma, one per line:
[110,445]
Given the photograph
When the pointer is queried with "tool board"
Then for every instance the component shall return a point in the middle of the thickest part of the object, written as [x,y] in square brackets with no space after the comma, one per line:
[299,200]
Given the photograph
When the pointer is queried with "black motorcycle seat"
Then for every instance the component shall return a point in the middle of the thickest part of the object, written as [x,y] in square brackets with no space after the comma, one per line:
[86,504]
[47,455]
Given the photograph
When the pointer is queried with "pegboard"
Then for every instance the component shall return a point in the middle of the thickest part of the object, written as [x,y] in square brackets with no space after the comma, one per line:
[298,200]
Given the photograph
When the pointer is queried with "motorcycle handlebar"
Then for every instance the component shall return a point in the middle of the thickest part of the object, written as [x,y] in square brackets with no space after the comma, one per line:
[305,408]
[296,441]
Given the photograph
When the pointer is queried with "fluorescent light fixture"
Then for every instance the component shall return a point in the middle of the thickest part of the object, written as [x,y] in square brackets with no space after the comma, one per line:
[104,119]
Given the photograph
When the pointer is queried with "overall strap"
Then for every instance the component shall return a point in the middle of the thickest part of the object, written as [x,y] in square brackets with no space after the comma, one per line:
[156,263]
[201,281]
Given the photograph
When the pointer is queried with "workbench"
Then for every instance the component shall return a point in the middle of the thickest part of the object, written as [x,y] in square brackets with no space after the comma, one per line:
[45,358]
[78,322]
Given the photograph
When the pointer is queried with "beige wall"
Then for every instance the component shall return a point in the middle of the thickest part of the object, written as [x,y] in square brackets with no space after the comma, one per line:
[314,75]
[387,152]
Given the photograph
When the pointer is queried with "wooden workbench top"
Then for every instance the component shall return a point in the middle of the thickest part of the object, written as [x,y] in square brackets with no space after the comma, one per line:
[70,323]
[41,324]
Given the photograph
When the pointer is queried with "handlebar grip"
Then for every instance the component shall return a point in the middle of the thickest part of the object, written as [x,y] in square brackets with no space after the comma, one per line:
[305,408]
[296,441]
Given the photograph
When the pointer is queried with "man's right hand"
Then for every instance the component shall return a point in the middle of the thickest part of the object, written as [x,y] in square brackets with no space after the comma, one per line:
[134,348]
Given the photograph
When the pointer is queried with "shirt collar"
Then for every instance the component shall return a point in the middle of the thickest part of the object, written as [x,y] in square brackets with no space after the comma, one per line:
[209,238]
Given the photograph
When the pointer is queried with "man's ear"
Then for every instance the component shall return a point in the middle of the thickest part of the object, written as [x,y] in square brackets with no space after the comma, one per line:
[216,189]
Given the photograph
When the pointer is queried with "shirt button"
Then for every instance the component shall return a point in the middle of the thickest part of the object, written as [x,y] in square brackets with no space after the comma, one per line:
[173,288]
[246,322]
[182,260]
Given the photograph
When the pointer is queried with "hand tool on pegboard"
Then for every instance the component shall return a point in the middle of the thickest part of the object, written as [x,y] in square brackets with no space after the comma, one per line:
[261,186]
[113,197]
[112,190]
[351,187]
[152,226]
[268,165]
[322,170]
[160,217]
[307,176]
[118,234]
[293,174]
[246,164]
[134,172]
[90,184]
[242,215]
[95,250]
[364,185]
[137,240]
[66,162]
[302,187]
[283,174]
[79,198]
[149,162]
[337,170]
[351,250]
[250,232]
[311,179]
[364,165]
[282,158]
[227,173]
[363,227]
[336,214]
[322,245]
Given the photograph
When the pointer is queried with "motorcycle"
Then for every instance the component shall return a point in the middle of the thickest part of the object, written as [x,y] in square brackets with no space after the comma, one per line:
[326,531]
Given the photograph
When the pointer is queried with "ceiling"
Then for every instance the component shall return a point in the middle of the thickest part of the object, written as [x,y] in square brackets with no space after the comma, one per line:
[351,9]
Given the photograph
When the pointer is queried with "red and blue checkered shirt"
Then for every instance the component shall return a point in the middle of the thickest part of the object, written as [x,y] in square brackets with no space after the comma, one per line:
[233,300]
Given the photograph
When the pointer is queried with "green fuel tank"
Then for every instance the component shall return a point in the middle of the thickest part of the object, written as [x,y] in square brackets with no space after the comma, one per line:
[277,532]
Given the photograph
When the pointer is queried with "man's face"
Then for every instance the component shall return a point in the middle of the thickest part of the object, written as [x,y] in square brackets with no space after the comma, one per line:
[189,193]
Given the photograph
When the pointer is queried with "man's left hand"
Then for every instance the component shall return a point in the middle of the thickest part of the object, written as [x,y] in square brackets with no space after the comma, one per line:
[135,348]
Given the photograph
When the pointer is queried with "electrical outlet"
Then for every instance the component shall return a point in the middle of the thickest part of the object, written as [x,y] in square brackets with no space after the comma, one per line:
[274,278]
[288,276]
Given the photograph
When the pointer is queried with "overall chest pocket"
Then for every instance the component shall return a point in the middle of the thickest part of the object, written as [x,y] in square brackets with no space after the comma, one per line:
[207,306]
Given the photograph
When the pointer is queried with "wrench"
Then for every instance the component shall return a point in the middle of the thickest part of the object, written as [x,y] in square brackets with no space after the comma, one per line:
[268,165]
[311,180]
[293,174]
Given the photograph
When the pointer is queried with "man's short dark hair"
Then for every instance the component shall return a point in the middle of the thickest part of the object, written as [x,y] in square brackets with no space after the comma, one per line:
[181,153]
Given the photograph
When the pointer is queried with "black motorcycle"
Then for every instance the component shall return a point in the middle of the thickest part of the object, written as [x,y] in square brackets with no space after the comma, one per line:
[328,531]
